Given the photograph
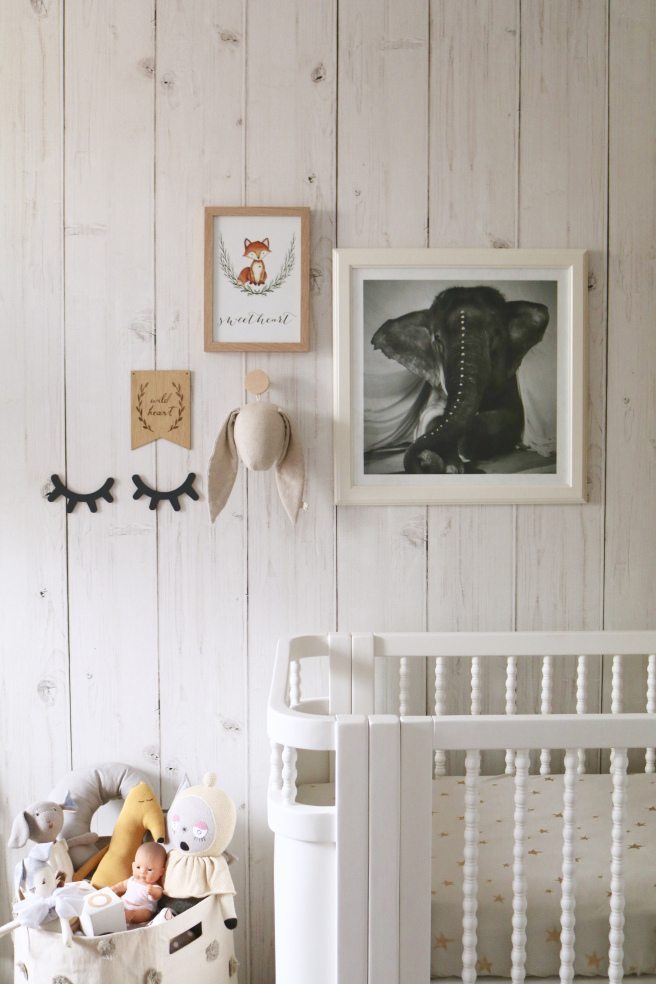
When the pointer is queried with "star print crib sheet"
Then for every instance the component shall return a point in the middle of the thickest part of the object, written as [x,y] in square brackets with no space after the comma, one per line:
[543,865]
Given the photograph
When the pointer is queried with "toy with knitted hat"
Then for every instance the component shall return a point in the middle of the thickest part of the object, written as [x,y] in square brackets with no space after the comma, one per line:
[200,826]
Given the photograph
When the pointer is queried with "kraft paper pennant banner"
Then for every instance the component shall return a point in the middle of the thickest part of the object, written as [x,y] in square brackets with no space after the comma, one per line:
[161,406]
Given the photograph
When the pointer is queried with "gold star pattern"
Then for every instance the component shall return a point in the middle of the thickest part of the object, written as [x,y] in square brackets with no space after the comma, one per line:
[484,966]
[635,847]
[558,816]
[549,891]
[553,936]
[549,779]
[641,823]
[461,864]
[446,883]
[499,898]
[593,960]
[442,942]
[543,830]
[534,852]
[652,809]
[444,833]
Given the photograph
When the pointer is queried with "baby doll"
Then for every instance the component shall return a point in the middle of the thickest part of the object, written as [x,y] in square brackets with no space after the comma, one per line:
[142,891]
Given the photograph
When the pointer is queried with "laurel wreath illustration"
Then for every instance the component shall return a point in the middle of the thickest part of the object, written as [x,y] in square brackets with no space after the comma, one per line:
[259,289]
[181,407]
[140,396]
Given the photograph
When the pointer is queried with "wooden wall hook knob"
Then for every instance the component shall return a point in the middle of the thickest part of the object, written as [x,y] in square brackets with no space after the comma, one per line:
[257,382]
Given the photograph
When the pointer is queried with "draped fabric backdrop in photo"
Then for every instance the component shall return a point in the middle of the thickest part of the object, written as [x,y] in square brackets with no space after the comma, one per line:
[147,636]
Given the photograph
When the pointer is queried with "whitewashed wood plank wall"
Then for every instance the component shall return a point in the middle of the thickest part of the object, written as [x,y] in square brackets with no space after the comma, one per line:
[150,637]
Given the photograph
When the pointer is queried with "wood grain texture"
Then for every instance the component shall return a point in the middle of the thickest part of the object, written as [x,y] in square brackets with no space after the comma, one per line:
[562,201]
[201,567]
[631,433]
[34,723]
[290,148]
[109,149]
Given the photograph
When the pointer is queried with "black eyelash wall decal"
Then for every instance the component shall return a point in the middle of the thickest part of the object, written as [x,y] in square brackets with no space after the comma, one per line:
[155,496]
[72,498]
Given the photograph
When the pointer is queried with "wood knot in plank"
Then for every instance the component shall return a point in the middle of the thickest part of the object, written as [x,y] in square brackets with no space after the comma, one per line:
[40,7]
[147,66]
[319,73]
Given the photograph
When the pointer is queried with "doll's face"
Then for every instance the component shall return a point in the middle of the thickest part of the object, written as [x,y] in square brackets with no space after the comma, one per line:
[191,825]
[148,864]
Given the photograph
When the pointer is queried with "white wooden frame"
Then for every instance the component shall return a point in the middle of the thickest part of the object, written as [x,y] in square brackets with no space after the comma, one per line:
[361,864]
[568,486]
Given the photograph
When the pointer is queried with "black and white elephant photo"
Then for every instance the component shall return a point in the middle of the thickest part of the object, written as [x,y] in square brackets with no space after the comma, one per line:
[459,377]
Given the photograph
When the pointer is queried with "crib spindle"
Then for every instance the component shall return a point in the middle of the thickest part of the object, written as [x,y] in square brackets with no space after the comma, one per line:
[567,898]
[511,705]
[616,695]
[404,686]
[440,710]
[470,870]
[275,770]
[546,708]
[616,932]
[650,753]
[519,869]
[581,702]
[289,775]
[476,685]
[294,682]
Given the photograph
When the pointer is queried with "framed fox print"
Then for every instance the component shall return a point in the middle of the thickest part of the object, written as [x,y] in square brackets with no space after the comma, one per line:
[459,376]
[257,273]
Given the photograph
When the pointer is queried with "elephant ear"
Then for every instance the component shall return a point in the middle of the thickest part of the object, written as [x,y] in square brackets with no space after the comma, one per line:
[527,323]
[409,341]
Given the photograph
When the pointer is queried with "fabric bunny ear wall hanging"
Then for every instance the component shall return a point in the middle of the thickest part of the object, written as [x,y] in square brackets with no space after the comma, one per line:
[261,435]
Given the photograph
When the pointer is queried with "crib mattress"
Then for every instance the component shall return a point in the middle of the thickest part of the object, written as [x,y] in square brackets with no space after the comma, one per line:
[543,863]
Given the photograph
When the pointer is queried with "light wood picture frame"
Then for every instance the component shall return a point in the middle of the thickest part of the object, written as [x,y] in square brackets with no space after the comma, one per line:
[459,376]
[257,279]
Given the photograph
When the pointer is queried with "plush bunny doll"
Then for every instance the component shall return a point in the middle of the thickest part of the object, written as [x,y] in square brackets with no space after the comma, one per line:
[261,435]
[42,823]
[200,826]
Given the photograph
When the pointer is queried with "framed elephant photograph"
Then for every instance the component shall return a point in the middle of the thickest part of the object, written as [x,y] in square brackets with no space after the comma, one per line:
[459,376]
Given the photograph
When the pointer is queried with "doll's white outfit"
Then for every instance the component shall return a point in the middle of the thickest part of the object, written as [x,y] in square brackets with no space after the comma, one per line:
[137,897]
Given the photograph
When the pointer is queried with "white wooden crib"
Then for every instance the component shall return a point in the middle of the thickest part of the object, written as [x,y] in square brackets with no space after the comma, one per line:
[352,790]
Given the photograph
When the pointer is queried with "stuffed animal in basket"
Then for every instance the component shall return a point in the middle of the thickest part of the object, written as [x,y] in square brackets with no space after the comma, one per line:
[200,826]
[42,823]
[142,891]
[141,812]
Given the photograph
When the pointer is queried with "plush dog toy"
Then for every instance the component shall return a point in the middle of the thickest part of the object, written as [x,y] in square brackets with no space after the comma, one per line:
[42,823]
[261,435]
[141,812]
[200,823]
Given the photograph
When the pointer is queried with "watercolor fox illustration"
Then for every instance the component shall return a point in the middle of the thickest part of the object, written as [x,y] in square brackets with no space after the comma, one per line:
[255,273]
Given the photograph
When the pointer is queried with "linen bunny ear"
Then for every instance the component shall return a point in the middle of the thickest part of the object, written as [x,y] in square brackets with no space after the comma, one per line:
[290,471]
[20,831]
[222,469]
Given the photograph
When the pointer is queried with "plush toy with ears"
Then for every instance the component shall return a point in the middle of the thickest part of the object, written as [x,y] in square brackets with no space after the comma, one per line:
[261,435]
[42,823]
[200,824]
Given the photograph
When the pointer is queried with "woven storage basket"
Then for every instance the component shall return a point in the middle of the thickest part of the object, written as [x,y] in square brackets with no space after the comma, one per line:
[193,948]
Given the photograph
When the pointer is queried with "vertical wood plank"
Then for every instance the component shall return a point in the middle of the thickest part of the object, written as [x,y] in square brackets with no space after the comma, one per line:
[382,201]
[34,723]
[562,202]
[290,160]
[109,146]
[631,428]
[473,175]
[201,567]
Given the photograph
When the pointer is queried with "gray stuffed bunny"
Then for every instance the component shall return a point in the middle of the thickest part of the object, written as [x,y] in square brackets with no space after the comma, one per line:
[42,823]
